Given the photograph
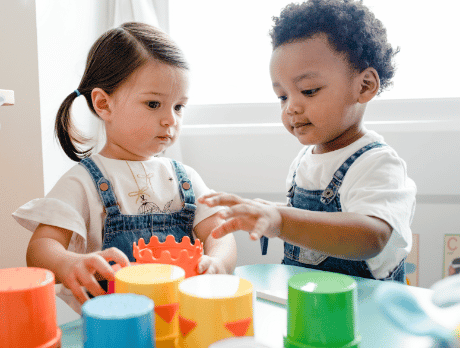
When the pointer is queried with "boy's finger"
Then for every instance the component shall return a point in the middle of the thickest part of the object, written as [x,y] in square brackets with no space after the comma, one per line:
[260,229]
[223,199]
[209,195]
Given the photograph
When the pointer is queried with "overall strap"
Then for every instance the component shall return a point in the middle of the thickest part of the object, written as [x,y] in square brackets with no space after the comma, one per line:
[333,188]
[185,186]
[103,186]
[293,184]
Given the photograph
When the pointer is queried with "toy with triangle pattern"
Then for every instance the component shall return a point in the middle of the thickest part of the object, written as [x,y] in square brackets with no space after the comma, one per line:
[193,312]
[184,254]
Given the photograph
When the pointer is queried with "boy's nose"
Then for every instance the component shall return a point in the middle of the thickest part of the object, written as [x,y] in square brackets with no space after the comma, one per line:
[294,108]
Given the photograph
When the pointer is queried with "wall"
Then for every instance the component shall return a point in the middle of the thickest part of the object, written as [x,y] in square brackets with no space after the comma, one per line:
[252,159]
[21,169]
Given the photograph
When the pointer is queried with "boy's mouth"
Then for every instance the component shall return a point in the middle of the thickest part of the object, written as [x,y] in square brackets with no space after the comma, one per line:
[300,124]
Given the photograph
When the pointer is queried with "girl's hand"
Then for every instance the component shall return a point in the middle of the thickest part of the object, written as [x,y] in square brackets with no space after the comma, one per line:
[259,219]
[211,265]
[81,271]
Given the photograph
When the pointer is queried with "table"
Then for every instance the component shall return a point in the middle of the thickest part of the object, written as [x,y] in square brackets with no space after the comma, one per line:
[270,321]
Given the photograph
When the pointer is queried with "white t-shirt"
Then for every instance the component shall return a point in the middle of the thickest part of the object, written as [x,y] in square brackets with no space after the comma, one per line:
[376,184]
[75,204]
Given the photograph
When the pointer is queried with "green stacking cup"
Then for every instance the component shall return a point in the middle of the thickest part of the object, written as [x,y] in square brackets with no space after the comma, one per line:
[322,311]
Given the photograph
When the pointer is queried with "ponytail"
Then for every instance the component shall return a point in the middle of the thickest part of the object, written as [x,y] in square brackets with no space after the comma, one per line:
[66,132]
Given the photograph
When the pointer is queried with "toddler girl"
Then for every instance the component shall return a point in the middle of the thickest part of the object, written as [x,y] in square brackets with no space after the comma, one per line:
[136,82]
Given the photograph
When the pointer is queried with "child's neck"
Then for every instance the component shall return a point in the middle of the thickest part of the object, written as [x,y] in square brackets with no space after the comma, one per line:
[343,140]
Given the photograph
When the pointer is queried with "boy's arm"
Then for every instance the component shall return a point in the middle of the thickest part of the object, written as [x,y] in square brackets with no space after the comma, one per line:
[222,250]
[345,235]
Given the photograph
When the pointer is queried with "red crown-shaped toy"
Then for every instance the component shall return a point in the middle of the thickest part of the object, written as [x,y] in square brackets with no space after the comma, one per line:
[184,254]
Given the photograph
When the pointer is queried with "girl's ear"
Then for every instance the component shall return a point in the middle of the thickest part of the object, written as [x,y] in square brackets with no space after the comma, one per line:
[101,103]
[369,85]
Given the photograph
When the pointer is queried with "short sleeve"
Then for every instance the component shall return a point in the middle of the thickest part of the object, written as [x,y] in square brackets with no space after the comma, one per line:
[377,185]
[199,189]
[72,204]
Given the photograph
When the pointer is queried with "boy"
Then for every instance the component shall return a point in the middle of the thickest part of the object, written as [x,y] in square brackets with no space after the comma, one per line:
[350,201]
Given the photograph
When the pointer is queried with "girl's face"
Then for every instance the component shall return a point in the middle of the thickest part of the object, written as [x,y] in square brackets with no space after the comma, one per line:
[145,112]
[318,93]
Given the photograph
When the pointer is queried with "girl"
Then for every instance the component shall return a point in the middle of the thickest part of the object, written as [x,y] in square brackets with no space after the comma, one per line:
[136,81]
[350,201]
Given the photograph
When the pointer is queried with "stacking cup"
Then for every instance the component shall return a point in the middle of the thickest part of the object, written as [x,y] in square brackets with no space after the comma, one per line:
[111,284]
[322,311]
[184,254]
[214,307]
[118,321]
[28,309]
[161,284]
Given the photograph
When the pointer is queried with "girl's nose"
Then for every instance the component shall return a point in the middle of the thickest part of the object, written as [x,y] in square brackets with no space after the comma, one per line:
[168,119]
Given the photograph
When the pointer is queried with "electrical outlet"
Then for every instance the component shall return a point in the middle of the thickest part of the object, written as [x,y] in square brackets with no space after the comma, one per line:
[6,97]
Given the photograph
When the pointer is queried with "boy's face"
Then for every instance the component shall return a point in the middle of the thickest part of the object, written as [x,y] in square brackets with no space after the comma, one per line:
[318,92]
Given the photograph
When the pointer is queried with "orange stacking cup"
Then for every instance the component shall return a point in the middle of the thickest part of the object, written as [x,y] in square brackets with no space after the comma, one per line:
[28,309]
[184,254]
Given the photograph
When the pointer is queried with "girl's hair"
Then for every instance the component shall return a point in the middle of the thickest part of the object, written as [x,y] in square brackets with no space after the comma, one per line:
[351,29]
[111,60]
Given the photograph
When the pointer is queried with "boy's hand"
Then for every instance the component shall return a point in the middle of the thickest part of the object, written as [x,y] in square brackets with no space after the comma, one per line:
[211,265]
[259,219]
[80,271]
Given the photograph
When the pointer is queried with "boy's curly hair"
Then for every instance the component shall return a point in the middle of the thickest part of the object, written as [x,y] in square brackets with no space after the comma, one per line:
[351,28]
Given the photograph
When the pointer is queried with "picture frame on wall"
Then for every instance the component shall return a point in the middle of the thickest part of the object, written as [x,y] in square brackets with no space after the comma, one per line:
[451,264]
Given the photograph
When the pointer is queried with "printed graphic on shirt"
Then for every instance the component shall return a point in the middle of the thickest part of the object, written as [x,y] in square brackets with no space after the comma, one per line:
[147,207]
[150,207]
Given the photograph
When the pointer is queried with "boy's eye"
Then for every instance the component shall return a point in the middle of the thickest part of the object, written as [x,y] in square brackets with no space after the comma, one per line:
[282,98]
[310,92]
[153,104]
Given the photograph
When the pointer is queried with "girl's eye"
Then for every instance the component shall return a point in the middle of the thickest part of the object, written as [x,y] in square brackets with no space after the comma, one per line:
[179,107]
[310,92]
[153,104]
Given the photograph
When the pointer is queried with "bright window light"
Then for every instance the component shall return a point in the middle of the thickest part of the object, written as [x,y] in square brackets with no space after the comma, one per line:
[228,47]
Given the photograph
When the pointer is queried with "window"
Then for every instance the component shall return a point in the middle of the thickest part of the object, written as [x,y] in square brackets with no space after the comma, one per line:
[228,47]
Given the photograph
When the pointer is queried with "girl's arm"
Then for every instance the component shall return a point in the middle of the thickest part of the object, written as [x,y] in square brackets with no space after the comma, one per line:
[219,254]
[345,235]
[48,249]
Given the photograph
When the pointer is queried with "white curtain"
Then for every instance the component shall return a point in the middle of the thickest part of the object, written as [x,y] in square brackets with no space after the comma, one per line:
[123,11]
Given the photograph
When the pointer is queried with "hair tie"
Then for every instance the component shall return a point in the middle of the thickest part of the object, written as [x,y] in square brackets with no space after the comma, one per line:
[78,93]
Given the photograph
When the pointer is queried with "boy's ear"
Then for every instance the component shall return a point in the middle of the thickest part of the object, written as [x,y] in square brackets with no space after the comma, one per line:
[101,103]
[369,85]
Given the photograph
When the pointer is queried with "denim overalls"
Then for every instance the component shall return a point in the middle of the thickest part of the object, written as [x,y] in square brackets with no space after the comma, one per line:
[328,200]
[121,231]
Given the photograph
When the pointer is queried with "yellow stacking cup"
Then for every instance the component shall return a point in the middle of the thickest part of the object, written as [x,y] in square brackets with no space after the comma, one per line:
[160,283]
[214,307]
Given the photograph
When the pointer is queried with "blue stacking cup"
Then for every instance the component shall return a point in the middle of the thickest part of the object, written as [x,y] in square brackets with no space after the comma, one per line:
[119,320]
